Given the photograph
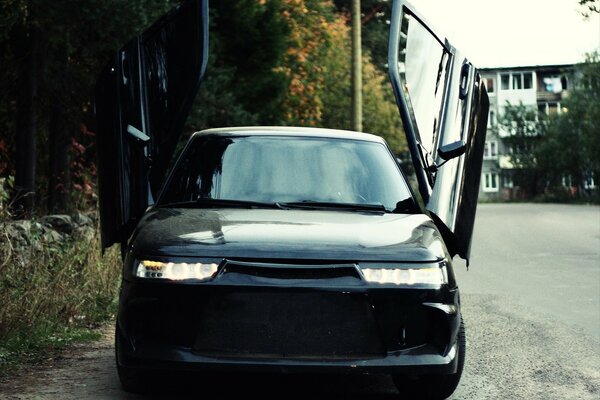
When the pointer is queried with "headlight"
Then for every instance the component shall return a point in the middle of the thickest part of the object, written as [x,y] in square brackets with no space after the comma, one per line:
[176,271]
[430,274]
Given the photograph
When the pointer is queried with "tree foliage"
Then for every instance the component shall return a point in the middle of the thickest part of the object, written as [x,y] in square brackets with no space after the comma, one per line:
[548,152]
[571,146]
[52,51]
[375,19]
[522,130]
[591,6]
[271,62]
[310,24]
[380,113]
[244,84]
[318,64]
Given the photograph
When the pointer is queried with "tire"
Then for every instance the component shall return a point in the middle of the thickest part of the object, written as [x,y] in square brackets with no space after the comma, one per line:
[434,386]
[131,379]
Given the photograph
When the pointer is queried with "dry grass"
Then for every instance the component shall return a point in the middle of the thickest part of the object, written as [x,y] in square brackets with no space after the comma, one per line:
[53,293]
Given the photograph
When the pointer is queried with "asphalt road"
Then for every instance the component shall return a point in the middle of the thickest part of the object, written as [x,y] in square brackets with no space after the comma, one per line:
[531,303]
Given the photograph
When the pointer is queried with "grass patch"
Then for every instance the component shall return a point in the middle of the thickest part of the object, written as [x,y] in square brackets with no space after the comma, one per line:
[53,293]
[40,345]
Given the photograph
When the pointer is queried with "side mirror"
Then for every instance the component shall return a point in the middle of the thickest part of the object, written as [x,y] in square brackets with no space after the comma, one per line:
[452,150]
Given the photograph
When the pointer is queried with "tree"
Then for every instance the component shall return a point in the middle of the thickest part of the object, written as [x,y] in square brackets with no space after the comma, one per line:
[522,130]
[593,6]
[52,51]
[73,55]
[26,50]
[271,62]
[376,15]
[244,83]
[309,23]
[318,64]
[571,147]
[381,115]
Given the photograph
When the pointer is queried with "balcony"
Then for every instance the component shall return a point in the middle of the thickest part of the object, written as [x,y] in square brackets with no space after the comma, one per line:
[544,96]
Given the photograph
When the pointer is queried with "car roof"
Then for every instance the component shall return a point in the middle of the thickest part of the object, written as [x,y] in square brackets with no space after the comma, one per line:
[290,131]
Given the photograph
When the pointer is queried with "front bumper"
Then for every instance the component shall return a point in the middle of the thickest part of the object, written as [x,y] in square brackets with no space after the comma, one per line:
[299,327]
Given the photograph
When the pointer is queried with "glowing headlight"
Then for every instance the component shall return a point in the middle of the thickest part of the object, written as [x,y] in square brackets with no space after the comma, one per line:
[176,271]
[407,276]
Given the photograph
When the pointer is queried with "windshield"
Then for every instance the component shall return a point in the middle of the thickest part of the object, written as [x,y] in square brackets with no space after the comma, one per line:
[280,169]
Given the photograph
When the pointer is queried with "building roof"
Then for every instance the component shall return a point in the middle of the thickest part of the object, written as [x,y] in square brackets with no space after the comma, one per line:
[528,68]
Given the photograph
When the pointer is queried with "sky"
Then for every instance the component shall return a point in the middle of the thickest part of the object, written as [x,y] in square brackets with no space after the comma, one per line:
[505,33]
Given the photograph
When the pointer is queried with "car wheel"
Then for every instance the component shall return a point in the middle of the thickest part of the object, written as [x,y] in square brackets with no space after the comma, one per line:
[131,378]
[434,386]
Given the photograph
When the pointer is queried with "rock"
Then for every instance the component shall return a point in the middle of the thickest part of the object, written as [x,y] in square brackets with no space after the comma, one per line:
[61,223]
[22,226]
[81,219]
[52,236]
[18,232]
[86,232]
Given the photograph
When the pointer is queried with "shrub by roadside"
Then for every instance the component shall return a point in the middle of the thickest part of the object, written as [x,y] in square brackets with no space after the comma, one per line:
[54,286]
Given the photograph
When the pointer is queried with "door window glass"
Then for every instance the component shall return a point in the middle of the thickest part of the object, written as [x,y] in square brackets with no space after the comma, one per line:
[423,63]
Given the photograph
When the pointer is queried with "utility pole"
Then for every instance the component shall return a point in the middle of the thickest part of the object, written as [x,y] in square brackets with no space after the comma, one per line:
[356,68]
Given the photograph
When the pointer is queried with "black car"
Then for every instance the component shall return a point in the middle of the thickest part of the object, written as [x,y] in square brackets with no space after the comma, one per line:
[281,249]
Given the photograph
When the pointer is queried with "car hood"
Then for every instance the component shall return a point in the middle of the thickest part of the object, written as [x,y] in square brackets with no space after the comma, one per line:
[287,234]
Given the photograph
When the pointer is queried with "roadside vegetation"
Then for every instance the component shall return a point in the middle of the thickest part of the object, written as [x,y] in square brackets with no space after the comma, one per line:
[55,288]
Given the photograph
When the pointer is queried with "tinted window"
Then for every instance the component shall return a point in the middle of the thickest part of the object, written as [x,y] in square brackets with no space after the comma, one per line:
[284,169]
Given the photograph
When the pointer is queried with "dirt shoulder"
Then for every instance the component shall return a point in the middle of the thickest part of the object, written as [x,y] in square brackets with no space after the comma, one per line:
[80,371]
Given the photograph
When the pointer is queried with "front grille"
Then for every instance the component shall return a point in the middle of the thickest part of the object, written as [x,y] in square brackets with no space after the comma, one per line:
[292,271]
[288,324]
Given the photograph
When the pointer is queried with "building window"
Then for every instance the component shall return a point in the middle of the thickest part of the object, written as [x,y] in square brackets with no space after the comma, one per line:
[588,182]
[491,119]
[507,182]
[505,81]
[527,80]
[516,81]
[489,84]
[490,182]
[491,149]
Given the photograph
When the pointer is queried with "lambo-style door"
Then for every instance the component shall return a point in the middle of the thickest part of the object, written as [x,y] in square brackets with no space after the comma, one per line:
[444,106]
[143,97]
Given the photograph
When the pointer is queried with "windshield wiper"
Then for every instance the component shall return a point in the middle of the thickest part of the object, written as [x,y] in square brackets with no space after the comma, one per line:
[320,205]
[207,202]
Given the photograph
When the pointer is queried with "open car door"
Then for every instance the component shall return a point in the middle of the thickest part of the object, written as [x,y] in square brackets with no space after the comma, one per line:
[444,107]
[143,97]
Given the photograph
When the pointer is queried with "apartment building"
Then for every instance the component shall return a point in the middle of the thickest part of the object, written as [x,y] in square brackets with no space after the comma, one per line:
[539,87]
